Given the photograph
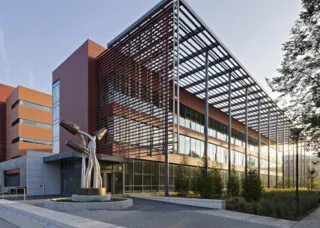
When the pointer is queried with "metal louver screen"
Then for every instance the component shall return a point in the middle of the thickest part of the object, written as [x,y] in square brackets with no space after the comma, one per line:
[134,95]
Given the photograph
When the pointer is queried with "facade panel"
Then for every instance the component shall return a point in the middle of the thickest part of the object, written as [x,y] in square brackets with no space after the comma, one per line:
[28,122]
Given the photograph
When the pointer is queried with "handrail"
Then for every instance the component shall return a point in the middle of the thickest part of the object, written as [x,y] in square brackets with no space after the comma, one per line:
[7,189]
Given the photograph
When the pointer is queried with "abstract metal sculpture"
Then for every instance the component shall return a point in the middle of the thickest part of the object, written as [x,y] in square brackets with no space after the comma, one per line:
[87,150]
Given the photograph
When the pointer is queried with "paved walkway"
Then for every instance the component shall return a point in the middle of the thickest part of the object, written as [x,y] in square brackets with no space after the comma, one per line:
[311,221]
[29,216]
[6,224]
[147,213]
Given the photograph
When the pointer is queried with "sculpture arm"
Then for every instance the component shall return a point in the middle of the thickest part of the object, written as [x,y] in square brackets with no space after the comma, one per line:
[83,141]
[86,134]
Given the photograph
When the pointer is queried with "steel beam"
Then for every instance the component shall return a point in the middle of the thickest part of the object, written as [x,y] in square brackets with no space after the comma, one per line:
[283,137]
[229,128]
[244,102]
[206,120]
[237,97]
[269,148]
[246,135]
[277,152]
[259,138]
[220,94]
[288,160]
[199,52]
[249,107]
[201,68]
[211,76]
[191,34]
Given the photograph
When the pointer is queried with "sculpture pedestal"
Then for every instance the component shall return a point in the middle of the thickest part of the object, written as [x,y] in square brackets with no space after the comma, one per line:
[91,194]
[90,198]
[92,191]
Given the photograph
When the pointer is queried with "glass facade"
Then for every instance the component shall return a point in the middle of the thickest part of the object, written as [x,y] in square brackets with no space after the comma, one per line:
[147,176]
[70,171]
[194,120]
[56,117]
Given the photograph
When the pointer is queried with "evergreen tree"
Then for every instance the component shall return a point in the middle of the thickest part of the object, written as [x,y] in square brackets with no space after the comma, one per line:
[209,185]
[252,186]
[233,184]
[182,181]
[299,80]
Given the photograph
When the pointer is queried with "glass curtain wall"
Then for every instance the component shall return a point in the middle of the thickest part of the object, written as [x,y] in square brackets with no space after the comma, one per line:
[56,117]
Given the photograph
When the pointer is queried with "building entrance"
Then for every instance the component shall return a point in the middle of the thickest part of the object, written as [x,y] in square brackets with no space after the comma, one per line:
[112,178]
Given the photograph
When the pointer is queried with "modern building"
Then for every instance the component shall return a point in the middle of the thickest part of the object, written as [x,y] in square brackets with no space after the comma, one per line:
[26,125]
[170,94]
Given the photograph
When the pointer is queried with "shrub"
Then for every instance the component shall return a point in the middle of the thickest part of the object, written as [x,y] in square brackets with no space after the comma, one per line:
[233,184]
[182,182]
[252,186]
[278,203]
[209,185]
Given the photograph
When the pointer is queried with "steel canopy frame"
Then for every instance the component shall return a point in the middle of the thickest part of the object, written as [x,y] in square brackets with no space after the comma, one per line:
[203,66]
[196,39]
[192,40]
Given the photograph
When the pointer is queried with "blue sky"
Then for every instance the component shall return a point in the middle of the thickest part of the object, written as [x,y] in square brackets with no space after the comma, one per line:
[36,36]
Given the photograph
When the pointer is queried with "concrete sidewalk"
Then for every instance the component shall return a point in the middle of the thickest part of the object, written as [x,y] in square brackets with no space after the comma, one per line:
[310,221]
[28,216]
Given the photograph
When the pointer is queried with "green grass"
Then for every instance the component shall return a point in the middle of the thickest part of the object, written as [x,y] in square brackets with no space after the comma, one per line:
[278,203]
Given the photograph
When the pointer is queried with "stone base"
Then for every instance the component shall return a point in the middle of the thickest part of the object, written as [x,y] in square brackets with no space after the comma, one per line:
[90,198]
[76,206]
[92,191]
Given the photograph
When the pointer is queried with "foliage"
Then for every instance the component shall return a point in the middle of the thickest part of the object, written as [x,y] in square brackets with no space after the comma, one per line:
[299,81]
[182,182]
[233,185]
[310,179]
[252,186]
[279,203]
[209,185]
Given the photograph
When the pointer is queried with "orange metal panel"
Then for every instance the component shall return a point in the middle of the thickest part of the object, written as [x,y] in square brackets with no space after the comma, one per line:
[34,96]
[34,132]
[28,113]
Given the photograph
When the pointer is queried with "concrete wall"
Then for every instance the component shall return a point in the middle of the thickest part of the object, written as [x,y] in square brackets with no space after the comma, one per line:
[17,163]
[42,178]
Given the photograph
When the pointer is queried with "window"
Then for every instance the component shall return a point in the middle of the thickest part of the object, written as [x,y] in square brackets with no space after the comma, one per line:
[15,122]
[28,140]
[30,122]
[56,116]
[31,105]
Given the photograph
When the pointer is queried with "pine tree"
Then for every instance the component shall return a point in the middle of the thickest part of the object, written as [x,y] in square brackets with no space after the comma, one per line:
[299,80]
[233,185]
[251,186]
